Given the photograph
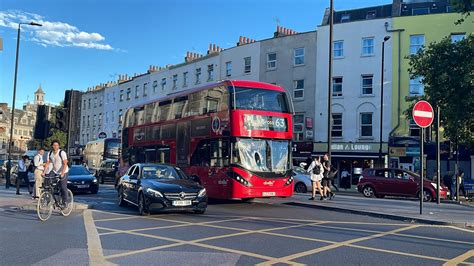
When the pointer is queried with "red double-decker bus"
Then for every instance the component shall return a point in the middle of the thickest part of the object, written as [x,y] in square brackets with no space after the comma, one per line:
[234,137]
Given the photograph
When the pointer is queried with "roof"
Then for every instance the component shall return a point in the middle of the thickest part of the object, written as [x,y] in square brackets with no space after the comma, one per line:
[39,90]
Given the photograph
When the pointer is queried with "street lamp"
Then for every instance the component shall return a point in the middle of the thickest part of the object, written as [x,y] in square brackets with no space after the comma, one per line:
[12,118]
[386,38]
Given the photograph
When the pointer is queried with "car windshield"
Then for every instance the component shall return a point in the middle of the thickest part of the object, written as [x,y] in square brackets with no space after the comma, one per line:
[160,172]
[262,155]
[78,170]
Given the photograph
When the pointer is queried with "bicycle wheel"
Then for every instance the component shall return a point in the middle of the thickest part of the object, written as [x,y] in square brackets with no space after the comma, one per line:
[69,205]
[44,208]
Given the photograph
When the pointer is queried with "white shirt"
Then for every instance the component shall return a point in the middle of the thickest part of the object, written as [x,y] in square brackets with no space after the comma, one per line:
[57,161]
[22,166]
[38,162]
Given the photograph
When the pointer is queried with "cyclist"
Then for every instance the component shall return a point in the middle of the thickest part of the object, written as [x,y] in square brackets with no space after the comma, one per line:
[58,159]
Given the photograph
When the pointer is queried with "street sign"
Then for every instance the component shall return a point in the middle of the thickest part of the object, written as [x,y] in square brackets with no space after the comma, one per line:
[423,114]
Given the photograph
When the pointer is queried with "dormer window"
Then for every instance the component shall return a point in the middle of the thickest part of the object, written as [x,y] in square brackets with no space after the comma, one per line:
[345,17]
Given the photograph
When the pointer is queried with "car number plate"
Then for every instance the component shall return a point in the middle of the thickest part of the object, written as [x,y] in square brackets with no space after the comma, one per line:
[181,203]
[268,194]
[82,186]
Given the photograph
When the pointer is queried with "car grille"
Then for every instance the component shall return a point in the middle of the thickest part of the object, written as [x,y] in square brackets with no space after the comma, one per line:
[181,196]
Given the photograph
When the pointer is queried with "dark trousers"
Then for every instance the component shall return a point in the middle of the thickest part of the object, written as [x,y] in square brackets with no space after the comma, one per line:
[63,188]
[22,177]
[334,185]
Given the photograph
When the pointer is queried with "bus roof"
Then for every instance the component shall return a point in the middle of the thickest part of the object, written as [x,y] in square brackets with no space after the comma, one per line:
[236,83]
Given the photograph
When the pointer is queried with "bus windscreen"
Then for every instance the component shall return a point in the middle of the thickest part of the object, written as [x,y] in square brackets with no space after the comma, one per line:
[260,99]
[260,155]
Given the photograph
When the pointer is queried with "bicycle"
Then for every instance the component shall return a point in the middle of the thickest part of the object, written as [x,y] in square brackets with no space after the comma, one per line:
[50,198]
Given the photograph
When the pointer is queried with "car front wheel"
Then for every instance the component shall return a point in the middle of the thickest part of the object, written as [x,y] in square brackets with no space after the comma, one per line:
[368,191]
[121,200]
[427,197]
[142,208]
[300,188]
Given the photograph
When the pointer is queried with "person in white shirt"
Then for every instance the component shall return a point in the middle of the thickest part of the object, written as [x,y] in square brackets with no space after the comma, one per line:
[39,170]
[22,174]
[316,171]
[57,159]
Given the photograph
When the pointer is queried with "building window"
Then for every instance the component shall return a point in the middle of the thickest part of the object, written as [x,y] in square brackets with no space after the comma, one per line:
[414,129]
[185,79]
[366,124]
[338,49]
[298,88]
[113,96]
[107,99]
[299,56]
[198,75]
[210,72]
[420,11]
[89,104]
[106,117]
[94,121]
[367,84]
[137,91]
[371,14]
[129,94]
[337,86]
[163,84]
[84,104]
[95,102]
[368,46]
[121,95]
[88,121]
[271,61]
[336,130]
[457,37]
[100,120]
[145,89]
[83,121]
[416,86]
[120,116]
[175,81]
[228,69]
[155,86]
[345,17]
[113,117]
[247,64]
[416,43]
[298,127]
[101,100]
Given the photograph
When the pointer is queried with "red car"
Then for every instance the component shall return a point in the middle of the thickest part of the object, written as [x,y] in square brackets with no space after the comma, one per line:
[381,182]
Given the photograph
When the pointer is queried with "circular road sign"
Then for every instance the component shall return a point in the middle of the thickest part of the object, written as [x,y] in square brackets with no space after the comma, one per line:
[102,135]
[423,114]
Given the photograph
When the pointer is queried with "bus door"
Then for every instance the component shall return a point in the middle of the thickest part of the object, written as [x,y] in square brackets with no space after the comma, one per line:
[182,144]
[220,159]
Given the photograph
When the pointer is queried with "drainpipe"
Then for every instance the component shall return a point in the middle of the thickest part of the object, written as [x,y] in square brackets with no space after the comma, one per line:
[399,31]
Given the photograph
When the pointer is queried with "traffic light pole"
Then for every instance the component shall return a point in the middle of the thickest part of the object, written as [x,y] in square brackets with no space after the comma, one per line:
[438,157]
[68,146]
[422,166]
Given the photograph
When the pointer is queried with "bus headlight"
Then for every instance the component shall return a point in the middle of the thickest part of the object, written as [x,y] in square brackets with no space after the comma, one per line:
[154,193]
[240,179]
[289,181]
[202,193]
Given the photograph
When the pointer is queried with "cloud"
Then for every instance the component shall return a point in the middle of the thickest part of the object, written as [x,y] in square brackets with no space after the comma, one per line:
[53,33]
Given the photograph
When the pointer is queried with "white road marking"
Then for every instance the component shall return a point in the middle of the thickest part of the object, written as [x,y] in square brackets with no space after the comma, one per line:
[94,247]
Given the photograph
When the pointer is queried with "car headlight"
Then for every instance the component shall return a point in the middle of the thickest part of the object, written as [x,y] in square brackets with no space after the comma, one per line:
[69,182]
[202,193]
[434,185]
[154,193]
[95,180]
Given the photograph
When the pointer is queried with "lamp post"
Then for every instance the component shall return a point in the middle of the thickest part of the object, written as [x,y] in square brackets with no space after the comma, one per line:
[12,118]
[386,38]
[331,25]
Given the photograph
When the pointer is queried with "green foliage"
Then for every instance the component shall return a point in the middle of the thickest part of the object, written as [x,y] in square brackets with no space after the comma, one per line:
[448,76]
[462,6]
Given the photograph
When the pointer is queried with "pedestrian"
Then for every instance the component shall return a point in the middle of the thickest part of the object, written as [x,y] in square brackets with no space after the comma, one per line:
[345,178]
[57,158]
[461,183]
[326,182]
[39,171]
[315,170]
[22,175]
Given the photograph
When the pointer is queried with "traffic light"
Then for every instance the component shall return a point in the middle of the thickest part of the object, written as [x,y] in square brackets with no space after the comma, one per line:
[42,124]
[61,119]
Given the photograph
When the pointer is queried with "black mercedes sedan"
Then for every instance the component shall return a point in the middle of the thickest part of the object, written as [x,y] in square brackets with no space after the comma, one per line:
[160,187]
[81,180]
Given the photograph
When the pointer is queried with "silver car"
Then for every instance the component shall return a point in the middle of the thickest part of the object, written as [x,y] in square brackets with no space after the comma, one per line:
[302,180]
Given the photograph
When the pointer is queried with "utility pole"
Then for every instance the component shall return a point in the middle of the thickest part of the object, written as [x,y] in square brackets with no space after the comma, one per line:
[331,26]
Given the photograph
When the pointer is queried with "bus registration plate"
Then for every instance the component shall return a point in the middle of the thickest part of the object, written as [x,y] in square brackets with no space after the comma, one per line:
[268,194]
[181,203]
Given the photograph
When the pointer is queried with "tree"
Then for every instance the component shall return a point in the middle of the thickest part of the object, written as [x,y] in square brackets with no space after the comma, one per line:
[448,76]
[464,7]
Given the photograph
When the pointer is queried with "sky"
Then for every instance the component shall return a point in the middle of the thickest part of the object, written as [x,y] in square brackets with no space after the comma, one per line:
[84,43]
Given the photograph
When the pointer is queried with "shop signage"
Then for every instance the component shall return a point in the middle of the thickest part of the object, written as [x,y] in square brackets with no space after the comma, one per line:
[352,147]
[398,151]
[360,147]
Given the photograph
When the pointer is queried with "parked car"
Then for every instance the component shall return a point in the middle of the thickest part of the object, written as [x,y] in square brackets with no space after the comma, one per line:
[160,187]
[381,182]
[302,180]
[81,180]
[107,170]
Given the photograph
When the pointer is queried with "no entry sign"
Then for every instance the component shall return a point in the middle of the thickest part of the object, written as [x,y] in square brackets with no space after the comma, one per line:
[423,114]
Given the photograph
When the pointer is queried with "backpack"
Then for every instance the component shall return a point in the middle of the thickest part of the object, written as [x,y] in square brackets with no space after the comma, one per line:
[317,170]
[31,168]
[50,152]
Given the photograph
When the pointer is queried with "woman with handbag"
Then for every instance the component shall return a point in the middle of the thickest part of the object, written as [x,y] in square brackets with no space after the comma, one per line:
[326,182]
[315,169]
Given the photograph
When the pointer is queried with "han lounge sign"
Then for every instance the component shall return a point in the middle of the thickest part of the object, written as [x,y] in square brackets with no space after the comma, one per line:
[355,147]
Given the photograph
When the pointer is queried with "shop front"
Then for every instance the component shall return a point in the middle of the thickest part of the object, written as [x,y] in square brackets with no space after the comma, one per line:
[350,159]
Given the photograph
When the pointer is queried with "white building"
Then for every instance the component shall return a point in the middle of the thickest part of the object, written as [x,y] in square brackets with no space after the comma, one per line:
[356,86]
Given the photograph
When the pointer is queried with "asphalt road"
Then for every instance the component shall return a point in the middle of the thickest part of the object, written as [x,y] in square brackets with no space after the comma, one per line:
[230,233]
